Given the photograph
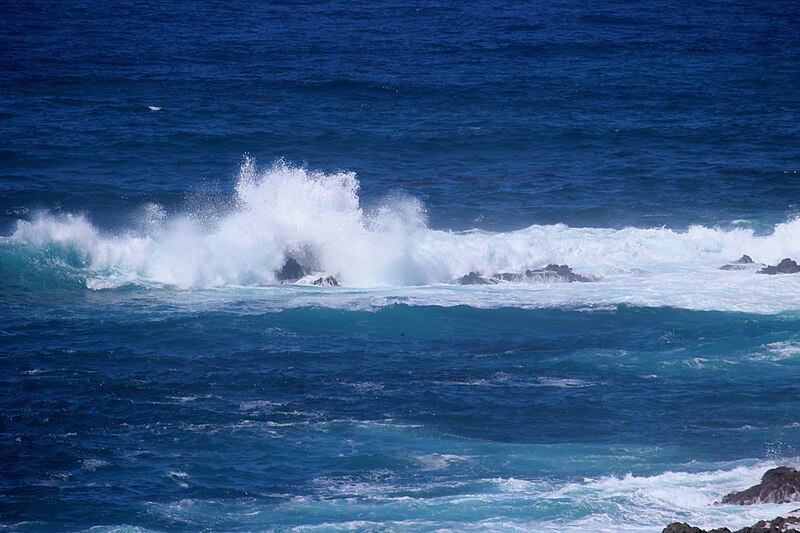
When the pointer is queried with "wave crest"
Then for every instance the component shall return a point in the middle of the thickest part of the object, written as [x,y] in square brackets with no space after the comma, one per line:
[288,211]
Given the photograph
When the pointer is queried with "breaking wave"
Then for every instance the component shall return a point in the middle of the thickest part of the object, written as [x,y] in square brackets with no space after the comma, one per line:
[288,211]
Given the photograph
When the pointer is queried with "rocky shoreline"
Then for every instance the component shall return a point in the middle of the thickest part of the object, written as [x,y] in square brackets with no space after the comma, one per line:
[776,525]
[778,485]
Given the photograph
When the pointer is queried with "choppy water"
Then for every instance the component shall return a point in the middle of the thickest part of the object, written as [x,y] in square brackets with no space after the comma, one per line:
[159,163]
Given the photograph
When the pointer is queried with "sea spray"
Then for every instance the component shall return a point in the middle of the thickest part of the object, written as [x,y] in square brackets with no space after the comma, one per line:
[284,210]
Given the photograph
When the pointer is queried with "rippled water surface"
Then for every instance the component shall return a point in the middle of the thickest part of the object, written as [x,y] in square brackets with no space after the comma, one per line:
[161,163]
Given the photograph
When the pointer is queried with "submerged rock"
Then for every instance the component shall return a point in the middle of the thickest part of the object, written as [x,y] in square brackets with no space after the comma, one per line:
[787,266]
[778,485]
[473,278]
[550,273]
[739,264]
[559,273]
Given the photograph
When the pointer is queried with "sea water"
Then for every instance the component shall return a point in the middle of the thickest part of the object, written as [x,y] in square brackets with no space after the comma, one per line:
[160,163]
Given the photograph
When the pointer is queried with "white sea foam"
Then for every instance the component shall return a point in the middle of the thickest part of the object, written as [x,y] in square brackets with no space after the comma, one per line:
[94,464]
[645,502]
[439,461]
[608,504]
[389,254]
[629,503]
[179,477]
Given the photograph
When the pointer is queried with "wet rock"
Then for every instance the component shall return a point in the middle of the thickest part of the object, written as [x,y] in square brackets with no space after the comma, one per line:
[509,276]
[290,271]
[733,267]
[739,264]
[550,273]
[681,527]
[777,525]
[787,266]
[473,278]
[778,485]
[558,273]
[328,281]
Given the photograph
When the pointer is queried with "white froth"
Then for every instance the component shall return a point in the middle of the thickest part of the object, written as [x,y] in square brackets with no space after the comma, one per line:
[609,504]
[390,254]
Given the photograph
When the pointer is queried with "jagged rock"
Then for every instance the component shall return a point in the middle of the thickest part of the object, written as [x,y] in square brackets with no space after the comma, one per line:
[739,264]
[777,525]
[783,523]
[473,278]
[787,266]
[290,271]
[328,281]
[562,273]
[550,273]
[778,485]
[682,527]
[509,276]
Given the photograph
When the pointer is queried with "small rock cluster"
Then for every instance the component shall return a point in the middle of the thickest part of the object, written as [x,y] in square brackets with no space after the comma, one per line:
[777,525]
[786,266]
[550,273]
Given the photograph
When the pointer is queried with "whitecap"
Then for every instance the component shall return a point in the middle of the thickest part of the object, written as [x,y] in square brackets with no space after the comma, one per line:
[387,253]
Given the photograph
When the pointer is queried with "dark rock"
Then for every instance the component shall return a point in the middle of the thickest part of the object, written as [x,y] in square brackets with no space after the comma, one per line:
[560,273]
[777,525]
[550,273]
[740,264]
[509,276]
[473,278]
[328,281]
[778,485]
[682,527]
[733,267]
[783,523]
[290,271]
[787,266]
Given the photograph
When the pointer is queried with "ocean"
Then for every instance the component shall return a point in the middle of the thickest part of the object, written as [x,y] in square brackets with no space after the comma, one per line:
[163,165]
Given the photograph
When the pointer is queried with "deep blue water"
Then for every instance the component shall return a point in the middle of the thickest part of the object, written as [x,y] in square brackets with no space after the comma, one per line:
[159,163]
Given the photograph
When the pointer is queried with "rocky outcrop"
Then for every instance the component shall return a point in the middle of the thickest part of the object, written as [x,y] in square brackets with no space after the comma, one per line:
[300,267]
[560,273]
[778,485]
[682,527]
[550,273]
[327,281]
[473,278]
[786,266]
[291,270]
[740,264]
[777,525]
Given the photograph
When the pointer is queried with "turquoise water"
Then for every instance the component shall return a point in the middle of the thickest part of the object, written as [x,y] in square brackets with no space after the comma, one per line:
[160,164]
